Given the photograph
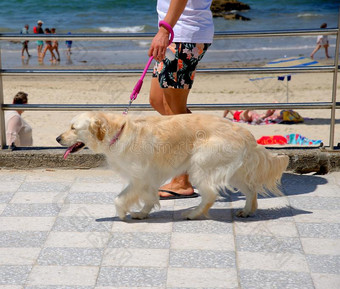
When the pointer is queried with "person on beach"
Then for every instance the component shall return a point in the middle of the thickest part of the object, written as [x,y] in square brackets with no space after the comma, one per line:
[18,131]
[254,117]
[68,45]
[174,74]
[24,43]
[55,44]
[322,41]
[48,47]
[38,30]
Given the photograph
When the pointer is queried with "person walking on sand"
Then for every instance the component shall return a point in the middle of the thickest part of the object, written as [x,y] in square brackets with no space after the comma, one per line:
[55,44]
[24,43]
[322,41]
[38,30]
[174,74]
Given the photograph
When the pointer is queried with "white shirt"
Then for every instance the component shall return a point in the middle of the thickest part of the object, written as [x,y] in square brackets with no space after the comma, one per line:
[17,129]
[322,40]
[195,25]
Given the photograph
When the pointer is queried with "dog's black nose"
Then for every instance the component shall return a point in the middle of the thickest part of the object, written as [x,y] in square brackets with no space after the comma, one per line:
[58,139]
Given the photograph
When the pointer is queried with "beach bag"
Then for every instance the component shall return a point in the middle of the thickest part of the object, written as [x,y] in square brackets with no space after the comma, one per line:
[291,117]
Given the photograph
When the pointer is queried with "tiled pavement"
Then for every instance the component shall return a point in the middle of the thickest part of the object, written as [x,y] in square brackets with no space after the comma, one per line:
[58,230]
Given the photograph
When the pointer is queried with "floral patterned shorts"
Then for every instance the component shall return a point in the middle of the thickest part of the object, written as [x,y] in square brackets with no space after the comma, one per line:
[180,71]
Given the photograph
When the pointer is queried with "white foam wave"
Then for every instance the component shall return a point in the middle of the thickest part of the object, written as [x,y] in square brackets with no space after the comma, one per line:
[128,29]
[308,15]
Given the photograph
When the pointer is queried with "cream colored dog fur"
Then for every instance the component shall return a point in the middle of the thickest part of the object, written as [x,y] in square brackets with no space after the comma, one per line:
[148,150]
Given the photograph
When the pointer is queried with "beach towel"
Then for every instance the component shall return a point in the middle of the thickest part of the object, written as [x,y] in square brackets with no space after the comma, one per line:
[289,139]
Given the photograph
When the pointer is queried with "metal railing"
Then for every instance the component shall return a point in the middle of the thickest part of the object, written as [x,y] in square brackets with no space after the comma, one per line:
[332,105]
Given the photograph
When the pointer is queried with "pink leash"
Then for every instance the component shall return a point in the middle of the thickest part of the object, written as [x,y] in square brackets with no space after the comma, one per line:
[139,83]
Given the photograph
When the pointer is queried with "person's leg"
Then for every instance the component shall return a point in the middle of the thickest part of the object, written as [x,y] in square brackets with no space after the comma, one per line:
[156,97]
[315,50]
[326,51]
[171,101]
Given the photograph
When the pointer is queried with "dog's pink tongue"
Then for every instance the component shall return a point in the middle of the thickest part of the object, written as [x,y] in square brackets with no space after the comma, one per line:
[68,151]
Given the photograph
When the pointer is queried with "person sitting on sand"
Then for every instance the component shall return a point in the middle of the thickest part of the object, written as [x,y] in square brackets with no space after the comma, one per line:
[48,47]
[322,41]
[254,117]
[18,131]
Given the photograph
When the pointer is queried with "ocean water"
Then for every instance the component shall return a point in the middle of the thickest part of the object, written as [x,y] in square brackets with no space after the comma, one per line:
[115,16]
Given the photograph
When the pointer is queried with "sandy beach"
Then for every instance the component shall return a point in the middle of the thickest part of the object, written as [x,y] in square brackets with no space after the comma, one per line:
[208,88]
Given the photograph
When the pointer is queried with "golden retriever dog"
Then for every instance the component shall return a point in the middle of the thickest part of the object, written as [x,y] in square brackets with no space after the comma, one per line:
[148,150]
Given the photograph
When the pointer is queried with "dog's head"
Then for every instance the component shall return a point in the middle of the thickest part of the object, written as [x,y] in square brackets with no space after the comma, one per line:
[87,129]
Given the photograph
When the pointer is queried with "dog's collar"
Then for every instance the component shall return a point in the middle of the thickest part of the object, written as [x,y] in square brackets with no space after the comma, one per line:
[117,135]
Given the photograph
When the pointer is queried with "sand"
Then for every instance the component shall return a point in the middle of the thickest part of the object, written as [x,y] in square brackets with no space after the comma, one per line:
[208,88]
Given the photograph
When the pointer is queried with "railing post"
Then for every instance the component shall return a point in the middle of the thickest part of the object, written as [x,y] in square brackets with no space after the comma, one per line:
[2,114]
[334,89]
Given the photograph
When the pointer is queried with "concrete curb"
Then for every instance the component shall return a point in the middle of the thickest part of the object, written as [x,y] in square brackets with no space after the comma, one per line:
[304,160]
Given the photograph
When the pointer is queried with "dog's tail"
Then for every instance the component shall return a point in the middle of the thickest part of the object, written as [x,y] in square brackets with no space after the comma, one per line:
[263,170]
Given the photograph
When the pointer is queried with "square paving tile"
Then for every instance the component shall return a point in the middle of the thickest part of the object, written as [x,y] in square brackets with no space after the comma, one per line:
[140,240]
[70,256]
[258,279]
[14,275]
[131,276]
[63,276]
[202,259]
[202,278]
[22,239]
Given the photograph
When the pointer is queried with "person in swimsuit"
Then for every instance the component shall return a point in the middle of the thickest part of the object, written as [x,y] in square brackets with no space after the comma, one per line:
[48,47]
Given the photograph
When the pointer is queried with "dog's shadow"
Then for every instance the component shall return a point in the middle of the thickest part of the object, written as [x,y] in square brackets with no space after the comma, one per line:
[291,185]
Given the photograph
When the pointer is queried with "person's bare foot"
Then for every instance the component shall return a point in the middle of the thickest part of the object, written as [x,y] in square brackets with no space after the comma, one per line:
[179,185]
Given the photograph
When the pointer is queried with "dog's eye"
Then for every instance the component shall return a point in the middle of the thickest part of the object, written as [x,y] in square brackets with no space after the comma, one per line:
[72,127]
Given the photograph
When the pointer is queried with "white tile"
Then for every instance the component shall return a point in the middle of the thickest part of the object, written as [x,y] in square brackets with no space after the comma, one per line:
[266,228]
[142,226]
[38,198]
[136,257]
[200,278]
[2,207]
[318,216]
[63,275]
[88,210]
[321,246]
[11,287]
[272,261]
[26,223]
[96,187]
[322,281]
[78,239]
[18,256]
[190,241]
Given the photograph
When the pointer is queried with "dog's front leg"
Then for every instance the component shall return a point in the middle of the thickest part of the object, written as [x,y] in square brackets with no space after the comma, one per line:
[149,196]
[124,200]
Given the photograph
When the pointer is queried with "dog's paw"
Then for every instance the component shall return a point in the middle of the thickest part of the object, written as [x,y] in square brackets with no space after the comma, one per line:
[138,215]
[190,215]
[242,214]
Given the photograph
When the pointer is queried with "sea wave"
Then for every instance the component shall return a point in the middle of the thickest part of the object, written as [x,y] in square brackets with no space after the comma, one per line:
[308,15]
[128,29]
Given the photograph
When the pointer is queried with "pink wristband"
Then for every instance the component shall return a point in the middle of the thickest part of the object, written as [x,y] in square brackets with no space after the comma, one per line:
[169,28]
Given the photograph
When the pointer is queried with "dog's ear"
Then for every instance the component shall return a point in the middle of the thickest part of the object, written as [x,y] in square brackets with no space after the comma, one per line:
[98,128]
